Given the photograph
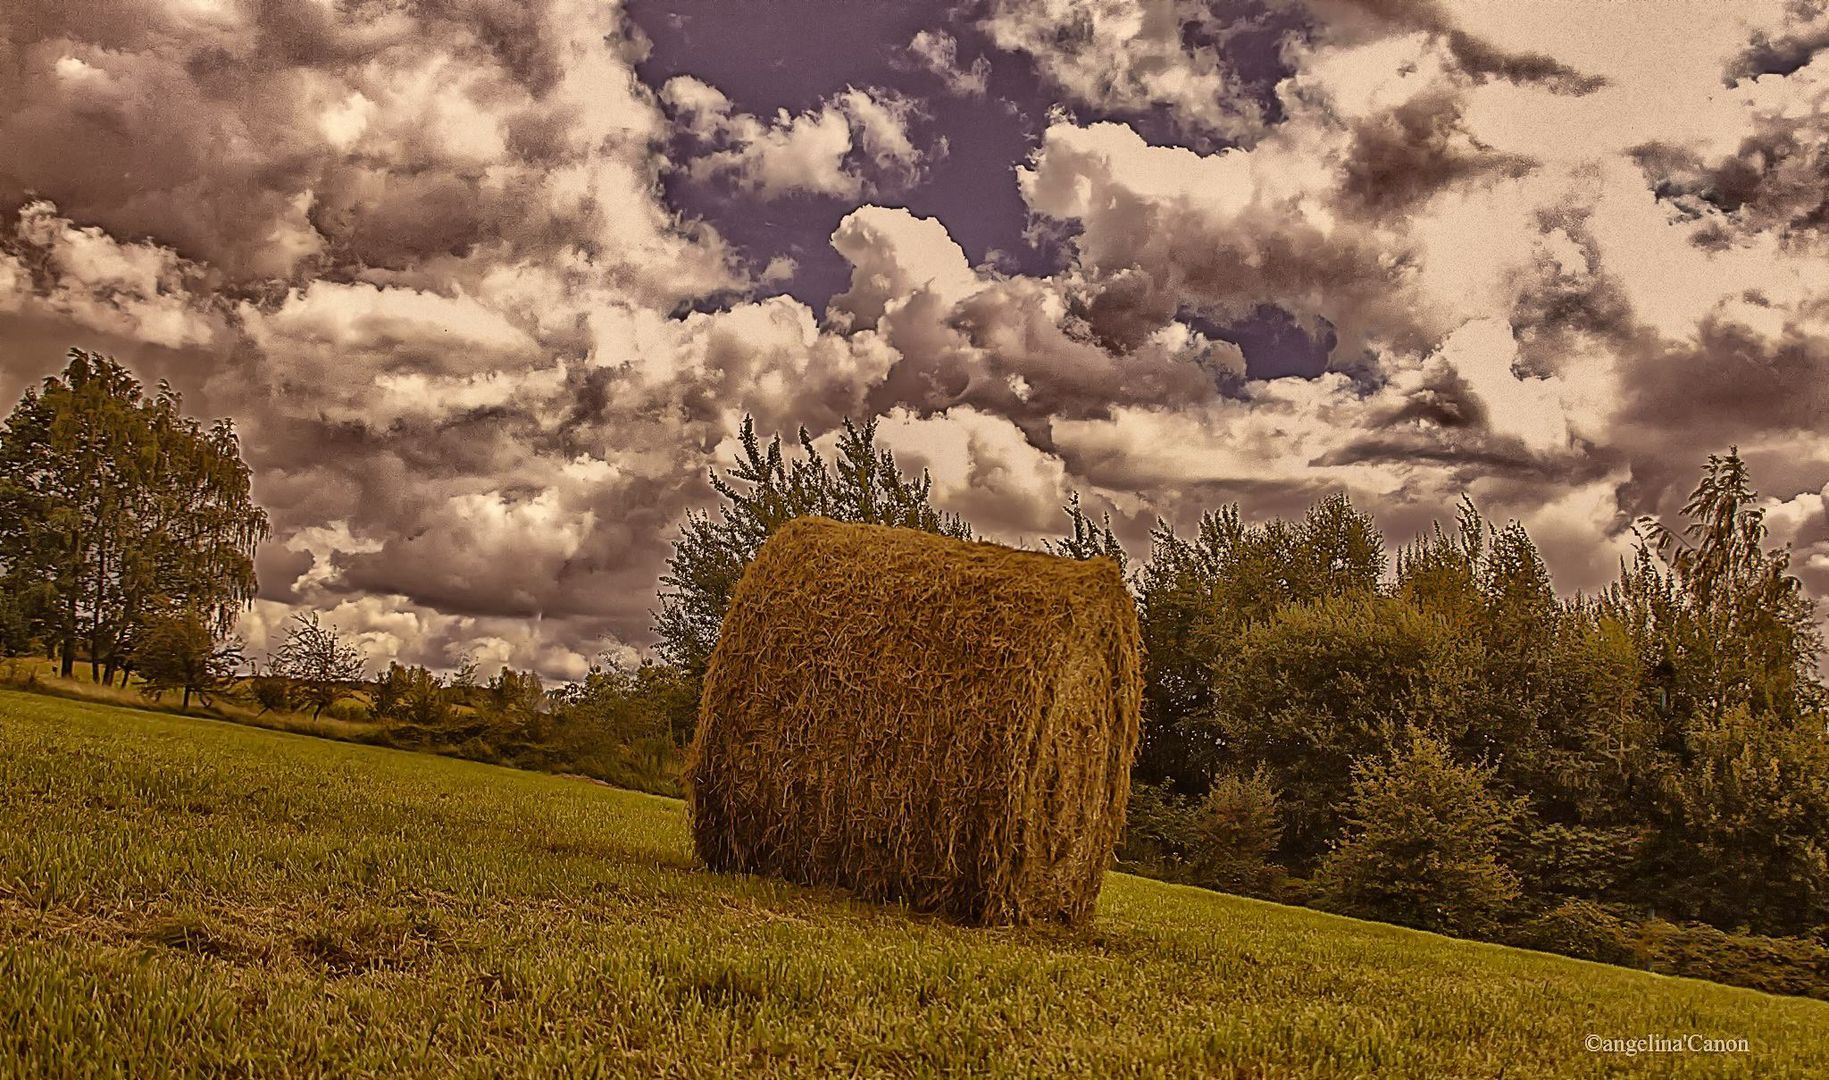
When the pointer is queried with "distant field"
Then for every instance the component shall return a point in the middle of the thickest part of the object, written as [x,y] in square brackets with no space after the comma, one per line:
[183,896]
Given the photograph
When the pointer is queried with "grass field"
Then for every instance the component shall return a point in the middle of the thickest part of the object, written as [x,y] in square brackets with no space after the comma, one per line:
[183,896]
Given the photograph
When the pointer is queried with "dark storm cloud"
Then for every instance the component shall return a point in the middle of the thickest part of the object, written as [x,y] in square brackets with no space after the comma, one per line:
[1404,155]
[1734,382]
[375,238]
[485,284]
[1777,179]
[1477,57]
[270,141]
[1780,54]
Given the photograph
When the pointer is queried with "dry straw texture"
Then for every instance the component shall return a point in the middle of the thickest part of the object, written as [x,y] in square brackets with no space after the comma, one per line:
[922,719]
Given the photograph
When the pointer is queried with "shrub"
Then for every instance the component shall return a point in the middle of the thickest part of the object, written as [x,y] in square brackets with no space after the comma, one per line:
[1231,834]
[1157,830]
[350,711]
[1580,928]
[1777,965]
[273,692]
[1422,849]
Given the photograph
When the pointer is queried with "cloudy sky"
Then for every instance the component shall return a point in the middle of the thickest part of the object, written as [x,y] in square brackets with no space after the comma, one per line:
[489,284]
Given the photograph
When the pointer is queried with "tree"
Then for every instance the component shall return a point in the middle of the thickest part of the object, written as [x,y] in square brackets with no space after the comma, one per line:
[761,492]
[319,662]
[1085,540]
[1175,606]
[1423,845]
[463,681]
[517,697]
[272,691]
[1726,623]
[1200,597]
[1232,833]
[179,650]
[1743,836]
[114,506]
[15,622]
[1318,687]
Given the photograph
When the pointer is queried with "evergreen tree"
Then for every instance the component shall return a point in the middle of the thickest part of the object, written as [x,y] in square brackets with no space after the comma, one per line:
[1422,848]
[1233,831]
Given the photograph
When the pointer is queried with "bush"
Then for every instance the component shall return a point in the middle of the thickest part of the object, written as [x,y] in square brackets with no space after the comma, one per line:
[273,692]
[1580,928]
[349,711]
[1562,860]
[1157,828]
[1231,833]
[1318,688]
[1607,933]
[1423,844]
[1777,965]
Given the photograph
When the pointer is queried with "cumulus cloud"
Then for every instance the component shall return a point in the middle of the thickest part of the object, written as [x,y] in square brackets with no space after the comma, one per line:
[938,52]
[854,142]
[895,255]
[424,253]
[380,241]
[134,290]
[1121,56]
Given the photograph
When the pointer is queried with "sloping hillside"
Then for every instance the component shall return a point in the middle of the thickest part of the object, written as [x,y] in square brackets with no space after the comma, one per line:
[184,896]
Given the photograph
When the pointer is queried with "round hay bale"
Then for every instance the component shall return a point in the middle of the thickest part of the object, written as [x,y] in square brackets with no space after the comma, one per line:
[943,723]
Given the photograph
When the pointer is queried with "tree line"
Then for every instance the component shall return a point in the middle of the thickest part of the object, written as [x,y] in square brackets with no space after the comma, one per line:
[1434,737]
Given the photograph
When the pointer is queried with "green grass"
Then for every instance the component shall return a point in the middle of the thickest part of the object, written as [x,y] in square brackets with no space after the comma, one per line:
[182,896]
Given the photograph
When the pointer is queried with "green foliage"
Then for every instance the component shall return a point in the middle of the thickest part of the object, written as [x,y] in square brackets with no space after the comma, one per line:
[179,650]
[1422,847]
[1198,596]
[1232,833]
[114,506]
[617,725]
[1721,617]
[1777,965]
[1157,831]
[1314,688]
[1662,744]
[1223,840]
[1743,826]
[438,917]
[1086,540]
[16,623]
[1581,928]
[322,666]
[1591,931]
[1557,860]
[762,492]
[411,696]
[272,691]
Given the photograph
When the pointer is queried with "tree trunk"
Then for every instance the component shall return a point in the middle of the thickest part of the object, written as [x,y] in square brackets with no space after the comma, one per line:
[186,707]
[68,667]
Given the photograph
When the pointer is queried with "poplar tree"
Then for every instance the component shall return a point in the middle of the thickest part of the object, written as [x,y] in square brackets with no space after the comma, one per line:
[762,492]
